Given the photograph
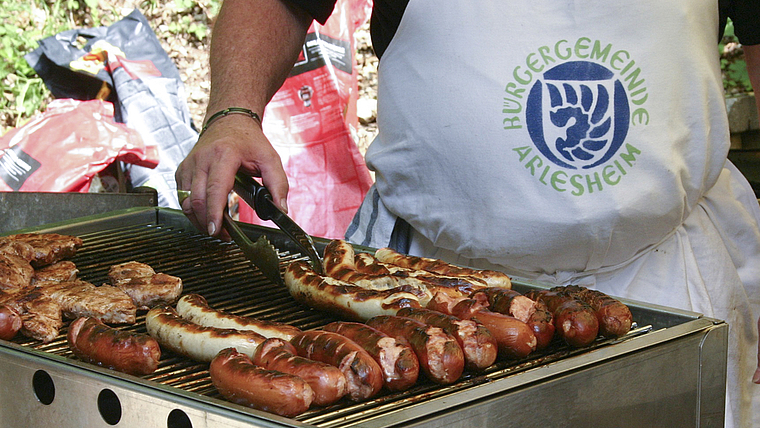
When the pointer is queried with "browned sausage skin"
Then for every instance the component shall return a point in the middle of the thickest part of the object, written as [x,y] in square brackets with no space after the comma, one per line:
[240,381]
[514,337]
[575,321]
[397,360]
[615,318]
[440,356]
[363,375]
[10,322]
[327,382]
[478,345]
[94,342]
[511,302]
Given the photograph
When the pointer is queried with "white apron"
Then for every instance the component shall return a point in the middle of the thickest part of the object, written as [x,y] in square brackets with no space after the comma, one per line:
[572,142]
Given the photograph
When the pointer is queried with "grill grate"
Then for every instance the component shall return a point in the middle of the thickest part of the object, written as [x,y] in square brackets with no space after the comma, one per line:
[219,272]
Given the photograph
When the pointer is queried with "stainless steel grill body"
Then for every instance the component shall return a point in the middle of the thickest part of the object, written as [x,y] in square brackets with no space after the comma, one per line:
[670,371]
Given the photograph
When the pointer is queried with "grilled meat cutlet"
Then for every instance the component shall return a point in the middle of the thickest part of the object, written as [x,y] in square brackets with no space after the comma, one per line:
[60,271]
[80,298]
[16,248]
[40,315]
[124,272]
[15,272]
[144,286]
[48,247]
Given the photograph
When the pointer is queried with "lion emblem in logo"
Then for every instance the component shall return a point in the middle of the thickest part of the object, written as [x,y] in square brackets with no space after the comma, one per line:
[578,114]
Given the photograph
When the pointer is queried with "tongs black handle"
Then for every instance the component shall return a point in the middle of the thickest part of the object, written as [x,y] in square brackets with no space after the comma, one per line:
[259,197]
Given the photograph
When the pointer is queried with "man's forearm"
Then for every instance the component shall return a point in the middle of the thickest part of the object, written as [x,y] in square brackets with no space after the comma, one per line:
[253,48]
[752,58]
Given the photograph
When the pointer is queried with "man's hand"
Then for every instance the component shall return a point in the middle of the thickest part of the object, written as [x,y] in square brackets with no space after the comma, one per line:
[232,143]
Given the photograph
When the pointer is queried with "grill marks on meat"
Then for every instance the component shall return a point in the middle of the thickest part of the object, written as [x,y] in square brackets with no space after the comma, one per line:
[40,315]
[341,298]
[15,272]
[80,298]
[366,271]
[57,272]
[48,248]
[146,287]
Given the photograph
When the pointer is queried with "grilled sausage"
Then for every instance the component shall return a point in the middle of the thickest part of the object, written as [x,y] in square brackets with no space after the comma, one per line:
[195,341]
[615,318]
[327,382]
[194,308]
[492,278]
[574,321]
[515,338]
[511,302]
[10,322]
[363,374]
[341,298]
[94,342]
[440,356]
[478,345]
[238,380]
[397,360]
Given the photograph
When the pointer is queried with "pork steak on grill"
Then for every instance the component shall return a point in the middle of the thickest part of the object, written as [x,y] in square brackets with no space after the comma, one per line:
[48,247]
[146,287]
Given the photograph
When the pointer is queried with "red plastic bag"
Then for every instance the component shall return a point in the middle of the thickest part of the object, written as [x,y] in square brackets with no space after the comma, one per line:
[61,149]
[310,121]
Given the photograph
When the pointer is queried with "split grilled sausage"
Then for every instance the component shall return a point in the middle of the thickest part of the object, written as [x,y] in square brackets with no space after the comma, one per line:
[194,308]
[615,318]
[478,345]
[341,298]
[240,381]
[511,302]
[195,341]
[363,374]
[515,338]
[327,382]
[441,358]
[492,278]
[397,360]
[10,322]
[94,342]
[574,321]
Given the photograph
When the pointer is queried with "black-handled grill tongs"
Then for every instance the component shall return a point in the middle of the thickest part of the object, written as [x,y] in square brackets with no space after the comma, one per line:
[258,197]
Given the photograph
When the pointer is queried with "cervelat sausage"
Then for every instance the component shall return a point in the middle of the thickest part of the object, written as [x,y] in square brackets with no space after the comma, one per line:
[240,381]
[397,360]
[194,307]
[195,341]
[514,337]
[94,342]
[327,382]
[510,302]
[478,345]
[615,318]
[363,375]
[575,321]
[441,358]
[10,322]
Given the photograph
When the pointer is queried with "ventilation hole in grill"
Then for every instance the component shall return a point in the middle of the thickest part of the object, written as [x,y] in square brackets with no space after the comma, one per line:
[178,419]
[109,407]
[44,388]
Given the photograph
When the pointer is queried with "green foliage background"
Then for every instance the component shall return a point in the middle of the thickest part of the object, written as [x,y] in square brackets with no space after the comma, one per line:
[25,22]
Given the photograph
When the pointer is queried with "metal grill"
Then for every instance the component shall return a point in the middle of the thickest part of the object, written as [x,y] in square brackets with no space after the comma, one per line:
[219,272]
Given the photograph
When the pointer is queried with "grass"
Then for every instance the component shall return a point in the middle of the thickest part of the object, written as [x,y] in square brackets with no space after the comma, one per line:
[25,22]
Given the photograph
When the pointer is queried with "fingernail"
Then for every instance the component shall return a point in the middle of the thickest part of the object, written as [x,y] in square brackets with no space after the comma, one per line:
[283,205]
[211,228]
